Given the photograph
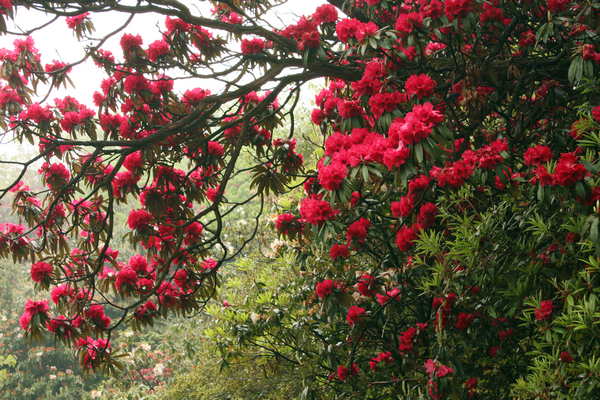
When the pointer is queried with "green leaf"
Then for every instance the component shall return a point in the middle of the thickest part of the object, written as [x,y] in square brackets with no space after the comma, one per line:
[576,70]
[419,152]
[594,231]
[589,166]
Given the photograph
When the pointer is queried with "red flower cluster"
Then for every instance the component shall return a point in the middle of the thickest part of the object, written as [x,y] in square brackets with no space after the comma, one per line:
[389,295]
[339,250]
[157,49]
[405,238]
[94,350]
[343,372]
[34,308]
[325,13]
[37,113]
[96,315]
[332,175]
[192,96]
[353,28]
[566,357]
[324,288]
[357,232]
[366,285]
[315,211]
[457,9]
[252,46]
[538,155]
[74,22]
[437,368]
[416,126]
[471,385]
[138,219]
[487,156]
[382,102]
[420,86]
[355,315]
[568,170]
[385,356]
[130,42]
[464,320]
[406,339]
[40,271]
[558,5]
[406,23]
[545,311]
[56,175]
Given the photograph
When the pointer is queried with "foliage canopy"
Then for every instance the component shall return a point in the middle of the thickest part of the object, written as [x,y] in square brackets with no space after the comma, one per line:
[445,245]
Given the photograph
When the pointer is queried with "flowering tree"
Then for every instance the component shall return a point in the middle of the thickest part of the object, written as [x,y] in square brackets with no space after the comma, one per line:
[449,235]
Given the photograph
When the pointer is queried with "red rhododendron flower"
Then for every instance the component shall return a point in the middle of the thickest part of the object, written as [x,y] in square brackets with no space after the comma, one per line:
[40,271]
[471,384]
[405,238]
[129,41]
[358,230]
[343,372]
[544,176]
[421,86]
[126,276]
[324,288]
[538,155]
[385,356]
[309,40]
[494,351]
[393,294]
[350,109]
[464,320]
[96,314]
[252,46]
[157,49]
[192,96]
[407,22]
[568,171]
[139,264]
[596,113]
[133,161]
[347,28]
[33,308]
[457,9]
[332,175]
[339,250]
[366,285]
[74,22]
[315,211]
[566,357]
[176,25]
[394,158]
[325,13]
[545,311]
[211,194]
[138,219]
[215,149]
[60,291]
[136,83]
[37,113]
[558,5]
[406,339]
[355,315]
[527,39]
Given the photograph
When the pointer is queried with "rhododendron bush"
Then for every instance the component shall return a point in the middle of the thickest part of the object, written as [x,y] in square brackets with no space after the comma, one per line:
[446,243]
